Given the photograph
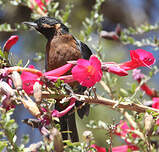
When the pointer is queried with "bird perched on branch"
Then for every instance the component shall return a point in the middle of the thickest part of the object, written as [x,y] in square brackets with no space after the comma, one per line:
[62,47]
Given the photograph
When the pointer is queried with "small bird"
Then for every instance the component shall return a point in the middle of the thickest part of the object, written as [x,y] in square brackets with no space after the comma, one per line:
[62,47]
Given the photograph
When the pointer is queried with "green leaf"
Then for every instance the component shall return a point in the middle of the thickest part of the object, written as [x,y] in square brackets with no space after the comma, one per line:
[3,144]
[1,53]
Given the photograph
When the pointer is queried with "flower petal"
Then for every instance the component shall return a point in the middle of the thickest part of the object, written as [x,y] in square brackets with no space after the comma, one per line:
[10,42]
[94,61]
[59,71]
[87,72]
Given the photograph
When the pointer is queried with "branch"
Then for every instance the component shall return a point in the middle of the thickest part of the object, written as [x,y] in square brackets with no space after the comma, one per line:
[108,102]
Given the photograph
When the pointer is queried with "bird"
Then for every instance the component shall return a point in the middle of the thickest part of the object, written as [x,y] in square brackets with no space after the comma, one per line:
[61,47]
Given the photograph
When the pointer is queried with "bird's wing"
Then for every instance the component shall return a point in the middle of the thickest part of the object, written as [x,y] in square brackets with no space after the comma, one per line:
[84,49]
[86,53]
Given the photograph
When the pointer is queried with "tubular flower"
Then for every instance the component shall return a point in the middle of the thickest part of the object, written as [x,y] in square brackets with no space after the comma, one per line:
[139,57]
[123,148]
[155,102]
[10,42]
[117,70]
[123,130]
[29,78]
[58,114]
[41,4]
[87,72]
[138,76]
[156,106]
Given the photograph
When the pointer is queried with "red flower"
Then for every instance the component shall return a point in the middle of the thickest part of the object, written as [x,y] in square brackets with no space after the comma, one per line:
[124,148]
[58,114]
[157,122]
[137,75]
[10,42]
[41,4]
[117,70]
[155,103]
[123,130]
[156,106]
[139,58]
[59,71]
[98,149]
[29,78]
[87,72]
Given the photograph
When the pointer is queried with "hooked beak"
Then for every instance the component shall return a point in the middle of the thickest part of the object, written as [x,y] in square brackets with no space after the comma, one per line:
[32,24]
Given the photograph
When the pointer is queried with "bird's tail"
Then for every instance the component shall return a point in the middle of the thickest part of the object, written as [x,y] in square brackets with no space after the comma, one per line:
[68,123]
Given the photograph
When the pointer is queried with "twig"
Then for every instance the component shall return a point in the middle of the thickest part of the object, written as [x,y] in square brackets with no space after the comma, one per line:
[108,102]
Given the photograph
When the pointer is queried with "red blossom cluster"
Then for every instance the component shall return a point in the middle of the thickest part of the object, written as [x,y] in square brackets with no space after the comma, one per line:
[138,76]
[123,148]
[87,73]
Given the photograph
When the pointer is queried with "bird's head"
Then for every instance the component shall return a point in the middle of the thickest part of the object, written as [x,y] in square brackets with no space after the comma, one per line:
[48,26]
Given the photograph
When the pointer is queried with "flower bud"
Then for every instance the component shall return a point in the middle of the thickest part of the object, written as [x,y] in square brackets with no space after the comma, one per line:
[37,90]
[88,136]
[16,80]
[32,107]
[10,42]
[6,89]
[149,122]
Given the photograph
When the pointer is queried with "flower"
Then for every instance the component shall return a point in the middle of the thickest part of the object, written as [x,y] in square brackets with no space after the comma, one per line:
[123,130]
[10,42]
[137,75]
[41,4]
[7,103]
[98,149]
[28,80]
[87,72]
[139,57]
[123,148]
[30,77]
[155,102]
[117,70]
[58,114]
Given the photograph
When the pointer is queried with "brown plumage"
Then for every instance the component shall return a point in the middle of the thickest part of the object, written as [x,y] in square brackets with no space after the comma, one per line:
[62,47]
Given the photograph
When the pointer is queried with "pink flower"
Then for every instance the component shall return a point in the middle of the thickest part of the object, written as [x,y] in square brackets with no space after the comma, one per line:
[59,71]
[10,42]
[139,57]
[58,114]
[41,4]
[7,103]
[87,72]
[98,149]
[29,78]
[117,70]
[155,103]
[156,106]
[137,75]
[157,122]
[124,148]
[123,130]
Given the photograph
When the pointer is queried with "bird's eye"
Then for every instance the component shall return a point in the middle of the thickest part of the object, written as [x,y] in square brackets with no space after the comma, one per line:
[42,19]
